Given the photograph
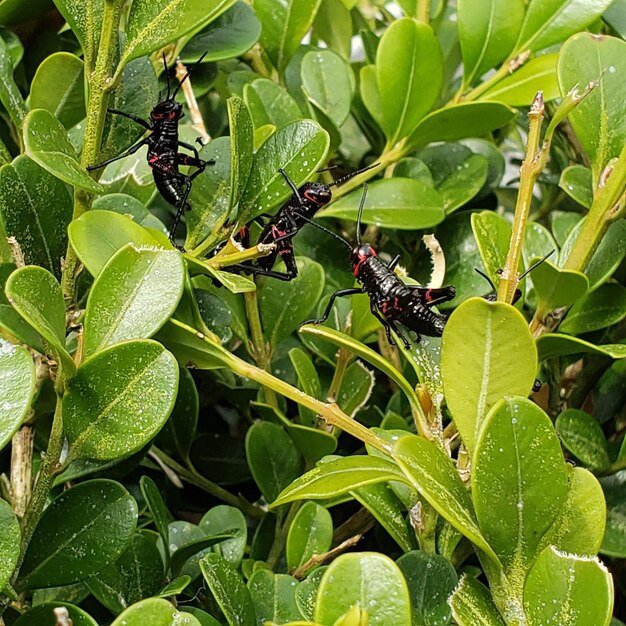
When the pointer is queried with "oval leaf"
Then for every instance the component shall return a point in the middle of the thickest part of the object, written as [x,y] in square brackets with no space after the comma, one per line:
[9,542]
[604,307]
[311,532]
[583,437]
[156,612]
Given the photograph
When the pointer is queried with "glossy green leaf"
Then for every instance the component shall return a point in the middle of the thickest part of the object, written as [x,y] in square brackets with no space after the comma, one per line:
[272,459]
[37,297]
[152,24]
[241,146]
[269,103]
[233,282]
[469,119]
[538,243]
[119,399]
[568,590]
[604,307]
[285,304]
[187,557]
[308,381]
[401,203]
[338,476]
[160,515]
[156,612]
[487,32]
[234,32]
[557,287]
[493,236]
[583,437]
[46,142]
[519,481]
[433,474]
[356,388]
[554,344]
[284,26]
[596,120]
[224,520]
[273,597]
[608,255]
[576,181]
[44,615]
[82,531]
[131,207]
[614,487]
[431,580]
[136,574]
[472,605]
[550,21]
[97,235]
[228,590]
[85,20]
[333,25]
[299,149]
[579,527]
[521,87]
[370,94]
[409,74]
[133,296]
[10,95]
[178,585]
[328,83]
[17,386]
[367,579]
[58,87]
[310,533]
[487,353]
[35,208]
[9,542]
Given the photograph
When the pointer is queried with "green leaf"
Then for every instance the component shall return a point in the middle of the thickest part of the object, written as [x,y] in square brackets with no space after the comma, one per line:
[82,531]
[433,474]
[225,519]
[85,20]
[234,32]
[550,21]
[154,23]
[521,87]
[472,605]
[583,437]
[187,557]
[367,579]
[568,590]
[284,26]
[579,527]
[46,142]
[401,203]
[308,380]
[119,399]
[614,487]
[608,255]
[554,344]
[44,615]
[272,459]
[273,597]
[468,119]
[596,120]
[556,287]
[409,70]
[133,296]
[519,481]
[487,353]
[178,585]
[10,95]
[136,574]
[356,388]
[97,235]
[339,476]
[431,580]
[9,542]
[36,296]
[156,612]
[131,207]
[604,307]
[576,181]
[269,103]
[58,87]
[328,83]
[487,32]
[17,386]
[299,149]
[310,533]
[370,94]
[228,590]
[241,146]
[160,515]
[284,304]
[36,209]
[493,235]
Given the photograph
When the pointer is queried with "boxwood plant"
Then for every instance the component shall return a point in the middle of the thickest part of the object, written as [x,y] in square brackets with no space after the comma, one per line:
[179,449]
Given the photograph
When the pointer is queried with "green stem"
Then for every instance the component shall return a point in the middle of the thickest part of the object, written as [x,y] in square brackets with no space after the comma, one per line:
[194,478]
[260,349]
[100,84]
[49,468]
[219,261]
[423,11]
[529,172]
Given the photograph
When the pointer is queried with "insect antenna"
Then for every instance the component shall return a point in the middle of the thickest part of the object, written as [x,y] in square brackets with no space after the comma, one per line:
[358,219]
[186,76]
[534,265]
[486,277]
[327,169]
[326,230]
[343,179]
[167,76]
